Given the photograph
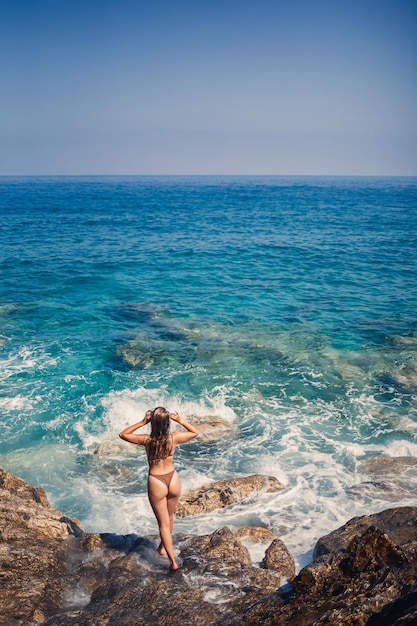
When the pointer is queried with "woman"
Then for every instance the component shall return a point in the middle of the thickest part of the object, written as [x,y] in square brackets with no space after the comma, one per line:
[163,481]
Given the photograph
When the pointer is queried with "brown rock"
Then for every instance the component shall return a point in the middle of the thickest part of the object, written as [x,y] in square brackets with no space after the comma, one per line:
[255,534]
[278,558]
[32,581]
[92,541]
[219,548]
[32,554]
[17,486]
[223,493]
[223,555]
[370,551]
[25,510]
[365,577]
[399,523]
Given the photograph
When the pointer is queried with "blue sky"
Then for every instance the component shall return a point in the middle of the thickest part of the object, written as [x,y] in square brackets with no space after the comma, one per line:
[190,87]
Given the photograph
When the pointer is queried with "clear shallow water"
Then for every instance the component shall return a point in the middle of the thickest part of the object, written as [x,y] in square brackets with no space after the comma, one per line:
[286,306]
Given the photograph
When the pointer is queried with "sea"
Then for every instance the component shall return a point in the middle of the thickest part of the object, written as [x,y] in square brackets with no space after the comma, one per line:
[285,307]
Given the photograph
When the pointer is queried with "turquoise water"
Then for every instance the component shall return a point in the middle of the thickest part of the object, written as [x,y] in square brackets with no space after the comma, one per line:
[286,306]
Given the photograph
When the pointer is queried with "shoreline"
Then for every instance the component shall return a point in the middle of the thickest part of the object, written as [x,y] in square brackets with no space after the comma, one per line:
[57,575]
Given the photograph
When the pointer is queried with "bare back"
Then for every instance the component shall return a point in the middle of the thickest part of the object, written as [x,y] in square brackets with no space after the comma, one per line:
[165,465]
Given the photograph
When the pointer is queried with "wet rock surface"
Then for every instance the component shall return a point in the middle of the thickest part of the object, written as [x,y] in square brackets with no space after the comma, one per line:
[278,558]
[387,465]
[55,574]
[211,427]
[223,493]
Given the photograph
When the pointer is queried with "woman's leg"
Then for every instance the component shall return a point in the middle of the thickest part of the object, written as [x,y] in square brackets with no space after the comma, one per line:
[174,491]
[159,498]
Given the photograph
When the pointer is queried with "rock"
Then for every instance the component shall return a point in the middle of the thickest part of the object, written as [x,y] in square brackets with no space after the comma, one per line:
[386,465]
[33,555]
[219,548]
[223,493]
[364,574]
[400,524]
[140,354]
[255,534]
[210,428]
[351,585]
[405,340]
[32,580]
[25,510]
[367,575]
[222,555]
[108,448]
[370,551]
[369,490]
[138,311]
[16,486]
[406,378]
[144,352]
[278,558]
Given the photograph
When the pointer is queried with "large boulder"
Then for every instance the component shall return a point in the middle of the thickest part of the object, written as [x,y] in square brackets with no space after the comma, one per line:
[399,523]
[223,493]
[25,512]
[33,553]
[363,574]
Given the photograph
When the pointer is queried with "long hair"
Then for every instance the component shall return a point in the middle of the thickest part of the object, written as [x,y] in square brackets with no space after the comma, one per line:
[159,445]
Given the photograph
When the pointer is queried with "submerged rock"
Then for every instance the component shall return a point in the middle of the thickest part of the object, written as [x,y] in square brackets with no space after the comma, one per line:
[223,493]
[144,352]
[210,428]
[108,448]
[369,490]
[405,340]
[387,465]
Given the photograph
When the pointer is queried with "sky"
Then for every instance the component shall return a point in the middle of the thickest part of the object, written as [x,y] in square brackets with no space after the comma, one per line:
[294,87]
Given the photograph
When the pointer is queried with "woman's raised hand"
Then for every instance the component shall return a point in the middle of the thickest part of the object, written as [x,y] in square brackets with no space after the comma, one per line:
[148,416]
[175,417]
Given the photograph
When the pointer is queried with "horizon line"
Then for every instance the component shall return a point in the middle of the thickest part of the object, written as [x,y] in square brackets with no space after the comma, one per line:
[194,175]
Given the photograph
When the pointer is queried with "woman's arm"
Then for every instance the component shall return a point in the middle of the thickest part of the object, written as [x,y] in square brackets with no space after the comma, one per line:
[128,433]
[191,430]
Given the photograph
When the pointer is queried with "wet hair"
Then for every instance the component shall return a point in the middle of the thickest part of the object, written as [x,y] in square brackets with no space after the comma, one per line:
[159,445]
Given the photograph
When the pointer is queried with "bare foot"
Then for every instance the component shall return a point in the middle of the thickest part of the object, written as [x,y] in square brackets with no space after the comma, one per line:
[161,549]
[174,566]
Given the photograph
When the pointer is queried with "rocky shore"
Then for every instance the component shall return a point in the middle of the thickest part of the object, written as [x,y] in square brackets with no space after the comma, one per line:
[54,573]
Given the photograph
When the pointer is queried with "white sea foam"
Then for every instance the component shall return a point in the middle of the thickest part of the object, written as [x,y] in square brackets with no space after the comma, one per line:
[126,407]
[317,466]
[15,403]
